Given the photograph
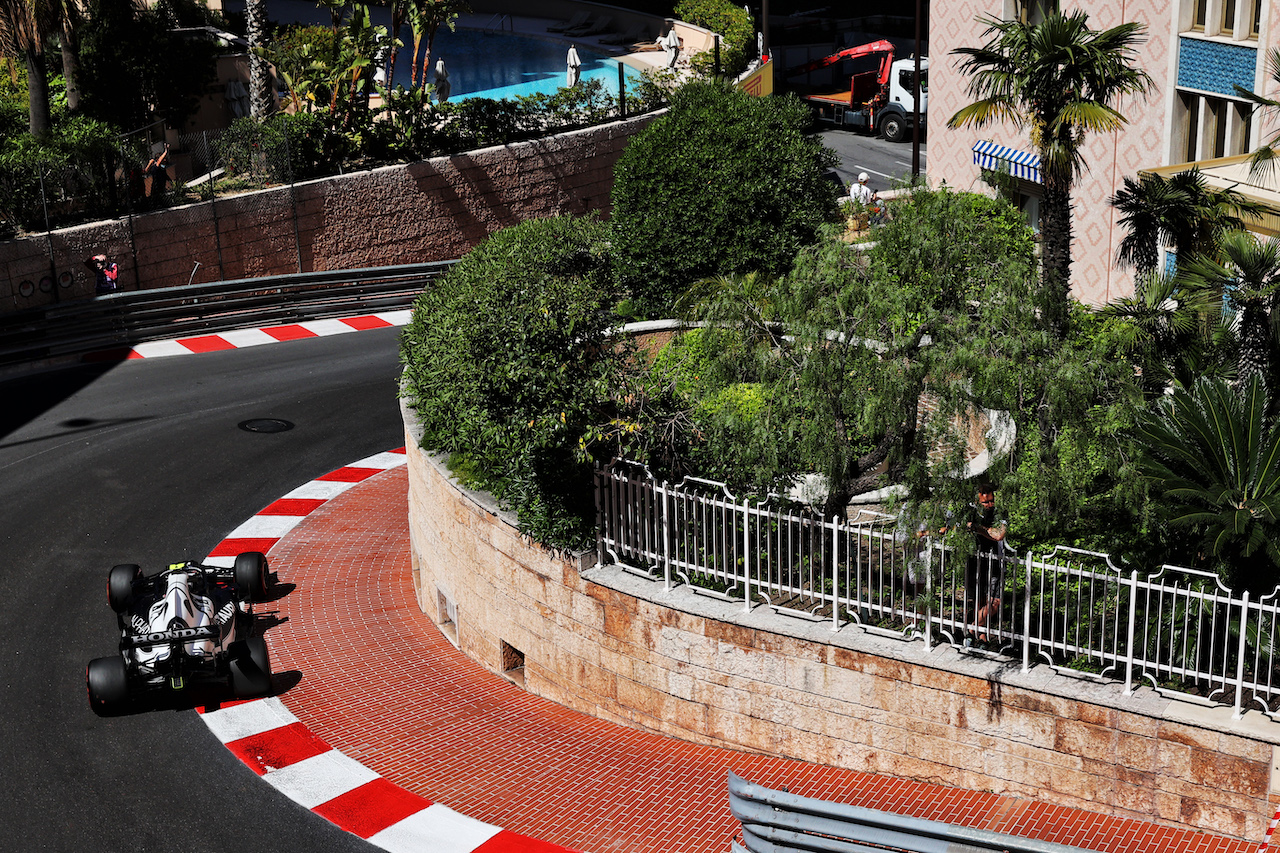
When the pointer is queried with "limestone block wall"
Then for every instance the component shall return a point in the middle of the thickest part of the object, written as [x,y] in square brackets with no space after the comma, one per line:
[616,646]
[433,210]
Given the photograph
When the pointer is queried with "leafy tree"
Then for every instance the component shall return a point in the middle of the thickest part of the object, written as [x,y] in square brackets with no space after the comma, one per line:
[733,22]
[823,371]
[74,164]
[1213,457]
[508,364]
[1248,278]
[724,183]
[302,57]
[1058,78]
[1182,210]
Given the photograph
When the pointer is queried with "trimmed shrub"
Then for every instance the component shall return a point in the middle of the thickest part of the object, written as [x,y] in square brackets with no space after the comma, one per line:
[507,363]
[725,183]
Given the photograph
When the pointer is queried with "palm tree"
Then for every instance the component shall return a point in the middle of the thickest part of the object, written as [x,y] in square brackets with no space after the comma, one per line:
[1213,456]
[1182,211]
[260,98]
[1249,279]
[1058,78]
[426,17]
[1262,160]
[1174,331]
[24,26]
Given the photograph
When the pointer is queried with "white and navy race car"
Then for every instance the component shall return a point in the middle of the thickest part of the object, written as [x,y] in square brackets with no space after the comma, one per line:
[188,625]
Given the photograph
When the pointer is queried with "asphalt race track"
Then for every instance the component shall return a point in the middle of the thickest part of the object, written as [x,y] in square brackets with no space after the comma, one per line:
[144,462]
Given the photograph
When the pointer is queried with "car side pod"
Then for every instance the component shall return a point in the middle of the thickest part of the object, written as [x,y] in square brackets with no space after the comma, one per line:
[107,681]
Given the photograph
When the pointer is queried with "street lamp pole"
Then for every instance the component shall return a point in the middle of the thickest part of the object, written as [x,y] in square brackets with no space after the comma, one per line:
[915,92]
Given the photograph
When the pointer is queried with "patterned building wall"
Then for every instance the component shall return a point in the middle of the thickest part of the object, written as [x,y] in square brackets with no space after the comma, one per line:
[1108,158]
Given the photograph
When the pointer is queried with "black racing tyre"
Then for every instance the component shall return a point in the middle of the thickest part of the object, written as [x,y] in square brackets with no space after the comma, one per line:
[120,586]
[251,575]
[250,669]
[893,128]
[108,684]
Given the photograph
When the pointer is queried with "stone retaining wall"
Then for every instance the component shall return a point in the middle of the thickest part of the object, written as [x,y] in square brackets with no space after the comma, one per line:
[613,645]
[433,210]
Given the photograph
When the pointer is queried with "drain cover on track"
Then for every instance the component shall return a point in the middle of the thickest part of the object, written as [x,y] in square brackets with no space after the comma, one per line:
[265,425]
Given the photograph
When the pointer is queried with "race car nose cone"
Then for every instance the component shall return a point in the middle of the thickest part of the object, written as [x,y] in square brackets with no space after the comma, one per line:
[265,425]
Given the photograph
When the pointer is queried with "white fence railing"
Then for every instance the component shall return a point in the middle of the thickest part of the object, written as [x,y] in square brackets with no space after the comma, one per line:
[1179,630]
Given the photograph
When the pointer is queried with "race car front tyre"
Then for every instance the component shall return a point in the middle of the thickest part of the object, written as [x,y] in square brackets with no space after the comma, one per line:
[251,575]
[251,669]
[108,684]
[120,586]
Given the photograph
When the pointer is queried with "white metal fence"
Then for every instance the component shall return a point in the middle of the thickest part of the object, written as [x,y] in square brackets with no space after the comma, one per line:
[1179,630]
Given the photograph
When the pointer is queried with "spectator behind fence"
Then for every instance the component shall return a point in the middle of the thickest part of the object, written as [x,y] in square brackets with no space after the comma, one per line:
[105,272]
[984,573]
[158,170]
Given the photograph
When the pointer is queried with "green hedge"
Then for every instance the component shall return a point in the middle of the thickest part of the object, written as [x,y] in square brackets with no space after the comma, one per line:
[507,364]
[724,183]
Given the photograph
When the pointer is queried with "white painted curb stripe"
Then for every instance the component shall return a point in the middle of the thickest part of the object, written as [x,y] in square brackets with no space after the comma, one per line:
[436,828]
[248,719]
[316,780]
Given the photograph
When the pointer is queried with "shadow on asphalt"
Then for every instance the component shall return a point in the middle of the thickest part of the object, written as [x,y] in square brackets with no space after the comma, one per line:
[29,396]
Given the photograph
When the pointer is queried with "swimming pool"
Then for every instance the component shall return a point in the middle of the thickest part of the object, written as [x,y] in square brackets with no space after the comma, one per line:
[504,65]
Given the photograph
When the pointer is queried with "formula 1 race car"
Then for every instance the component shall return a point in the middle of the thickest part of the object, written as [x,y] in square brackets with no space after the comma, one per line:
[188,625]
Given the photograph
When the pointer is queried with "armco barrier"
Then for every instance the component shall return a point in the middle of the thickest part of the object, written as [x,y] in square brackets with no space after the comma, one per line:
[124,319]
[779,822]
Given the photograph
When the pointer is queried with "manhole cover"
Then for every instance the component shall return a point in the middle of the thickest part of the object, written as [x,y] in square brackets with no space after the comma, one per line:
[265,425]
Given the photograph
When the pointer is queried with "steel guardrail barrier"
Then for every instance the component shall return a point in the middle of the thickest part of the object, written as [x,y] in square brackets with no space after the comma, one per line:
[121,320]
[775,821]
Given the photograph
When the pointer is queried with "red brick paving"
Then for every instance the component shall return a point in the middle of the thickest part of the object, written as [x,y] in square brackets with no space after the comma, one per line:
[378,681]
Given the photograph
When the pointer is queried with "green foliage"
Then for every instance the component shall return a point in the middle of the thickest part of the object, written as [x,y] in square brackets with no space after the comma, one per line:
[69,172]
[1213,456]
[732,22]
[508,362]
[722,184]
[302,56]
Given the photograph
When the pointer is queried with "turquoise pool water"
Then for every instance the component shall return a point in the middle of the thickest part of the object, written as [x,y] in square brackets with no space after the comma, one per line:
[504,65]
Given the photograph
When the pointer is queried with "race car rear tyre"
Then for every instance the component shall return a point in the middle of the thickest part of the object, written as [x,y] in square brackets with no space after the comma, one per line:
[251,575]
[251,669]
[108,684]
[120,586]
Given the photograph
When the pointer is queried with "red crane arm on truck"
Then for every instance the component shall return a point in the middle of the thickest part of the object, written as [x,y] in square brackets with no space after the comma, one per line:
[882,46]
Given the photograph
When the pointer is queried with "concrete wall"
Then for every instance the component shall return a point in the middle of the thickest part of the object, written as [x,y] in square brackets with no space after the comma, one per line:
[615,646]
[437,209]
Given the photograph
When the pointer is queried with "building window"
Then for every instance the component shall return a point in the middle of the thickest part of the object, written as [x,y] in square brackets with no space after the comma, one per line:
[1234,19]
[1228,17]
[1213,127]
[1191,103]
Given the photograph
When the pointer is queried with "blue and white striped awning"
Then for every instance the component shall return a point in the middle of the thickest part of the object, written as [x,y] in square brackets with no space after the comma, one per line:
[997,158]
